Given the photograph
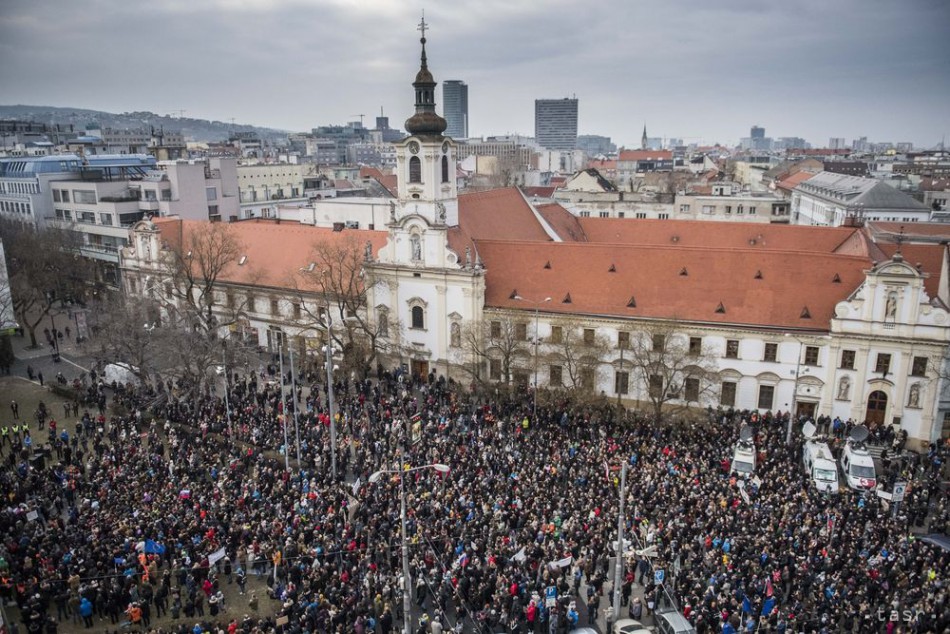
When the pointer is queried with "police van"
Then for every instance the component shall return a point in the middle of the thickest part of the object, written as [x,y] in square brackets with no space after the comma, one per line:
[857,465]
[743,457]
[818,462]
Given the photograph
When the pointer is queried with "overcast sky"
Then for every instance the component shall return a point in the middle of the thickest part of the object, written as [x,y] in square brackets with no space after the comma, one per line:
[703,70]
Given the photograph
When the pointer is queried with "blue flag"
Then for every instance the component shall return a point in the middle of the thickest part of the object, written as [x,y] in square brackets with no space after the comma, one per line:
[151,547]
[768,606]
[746,605]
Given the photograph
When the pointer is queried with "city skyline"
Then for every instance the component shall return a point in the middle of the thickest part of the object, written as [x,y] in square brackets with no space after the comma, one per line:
[791,69]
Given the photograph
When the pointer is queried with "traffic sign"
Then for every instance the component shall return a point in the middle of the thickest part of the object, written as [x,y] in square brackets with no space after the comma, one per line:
[899,489]
[658,576]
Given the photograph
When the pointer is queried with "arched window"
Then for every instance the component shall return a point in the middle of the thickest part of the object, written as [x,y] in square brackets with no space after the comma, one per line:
[383,328]
[418,317]
[445,169]
[415,170]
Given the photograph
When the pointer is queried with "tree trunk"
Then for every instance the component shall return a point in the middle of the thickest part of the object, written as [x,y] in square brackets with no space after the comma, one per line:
[32,331]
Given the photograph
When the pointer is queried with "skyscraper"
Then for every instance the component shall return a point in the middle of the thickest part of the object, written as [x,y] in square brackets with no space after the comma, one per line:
[455,107]
[756,132]
[555,123]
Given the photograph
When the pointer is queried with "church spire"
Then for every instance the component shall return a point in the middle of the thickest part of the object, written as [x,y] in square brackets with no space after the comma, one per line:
[425,122]
[643,141]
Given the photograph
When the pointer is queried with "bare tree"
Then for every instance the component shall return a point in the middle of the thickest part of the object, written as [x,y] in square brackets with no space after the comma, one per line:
[196,266]
[338,281]
[672,369]
[580,351]
[133,337]
[499,339]
[44,269]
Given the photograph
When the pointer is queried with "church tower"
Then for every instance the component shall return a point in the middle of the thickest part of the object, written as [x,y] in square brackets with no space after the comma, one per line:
[643,141]
[426,159]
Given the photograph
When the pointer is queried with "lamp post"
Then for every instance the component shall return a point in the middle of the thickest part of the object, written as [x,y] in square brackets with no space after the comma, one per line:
[798,368]
[537,340]
[618,568]
[293,398]
[406,584]
[227,402]
[331,405]
[283,403]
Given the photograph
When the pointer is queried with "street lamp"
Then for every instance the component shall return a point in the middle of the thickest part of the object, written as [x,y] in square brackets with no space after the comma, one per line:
[331,405]
[537,339]
[798,367]
[406,584]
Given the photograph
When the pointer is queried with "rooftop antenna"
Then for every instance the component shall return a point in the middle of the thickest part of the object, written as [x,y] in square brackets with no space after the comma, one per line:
[181,113]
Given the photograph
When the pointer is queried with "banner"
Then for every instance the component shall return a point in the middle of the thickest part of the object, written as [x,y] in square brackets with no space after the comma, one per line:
[519,556]
[216,556]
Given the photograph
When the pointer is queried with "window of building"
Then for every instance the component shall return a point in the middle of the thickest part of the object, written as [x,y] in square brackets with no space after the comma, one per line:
[919,366]
[663,216]
[695,346]
[684,209]
[620,214]
[274,307]
[585,214]
[445,169]
[297,310]
[415,170]
[732,348]
[766,396]
[727,395]
[65,193]
[771,352]
[883,363]
[641,215]
[87,217]
[811,355]
[623,340]
[622,382]
[751,211]
[691,389]
[211,193]
[418,317]
[250,303]
[709,209]
[229,300]
[167,195]
[656,385]
[495,330]
[84,196]
[555,372]
[494,369]
[557,334]
[740,209]
[728,209]
[847,359]
[106,219]
[604,214]
[133,285]
[56,197]
[521,331]
[589,336]
[659,342]
[587,378]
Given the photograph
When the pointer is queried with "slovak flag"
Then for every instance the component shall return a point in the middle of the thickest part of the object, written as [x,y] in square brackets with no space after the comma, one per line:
[463,560]
[184,494]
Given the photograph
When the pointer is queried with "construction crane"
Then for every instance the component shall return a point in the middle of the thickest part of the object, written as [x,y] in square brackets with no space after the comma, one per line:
[360,116]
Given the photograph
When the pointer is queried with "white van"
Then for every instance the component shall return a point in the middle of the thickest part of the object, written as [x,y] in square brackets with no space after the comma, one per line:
[857,465]
[818,461]
[820,466]
[743,457]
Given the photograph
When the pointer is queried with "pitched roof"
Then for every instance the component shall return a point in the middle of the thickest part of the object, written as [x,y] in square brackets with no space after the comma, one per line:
[754,287]
[708,234]
[646,155]
[790,182]
[853,190]
[564,223]
[275,252]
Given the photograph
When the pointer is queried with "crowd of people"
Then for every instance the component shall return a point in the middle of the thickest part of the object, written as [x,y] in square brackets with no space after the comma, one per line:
[139,519]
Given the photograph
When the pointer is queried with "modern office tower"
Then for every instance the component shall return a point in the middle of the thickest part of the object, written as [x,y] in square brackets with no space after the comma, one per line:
[555,123]
[757,132]
[455,107]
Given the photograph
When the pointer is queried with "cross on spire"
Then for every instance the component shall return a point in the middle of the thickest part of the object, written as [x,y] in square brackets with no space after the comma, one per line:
[422,26]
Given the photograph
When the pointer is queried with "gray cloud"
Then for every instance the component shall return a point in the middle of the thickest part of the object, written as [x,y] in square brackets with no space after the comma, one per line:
[690,68]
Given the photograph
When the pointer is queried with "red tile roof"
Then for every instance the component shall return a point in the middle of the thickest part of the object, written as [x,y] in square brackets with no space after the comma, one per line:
[727,235]
[653,277]
[791,182]
[646,155]
[540,192]
[275,252]
[912,229]
[564,223]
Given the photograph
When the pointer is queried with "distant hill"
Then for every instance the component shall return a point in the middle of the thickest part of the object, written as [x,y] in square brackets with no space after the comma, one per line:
[192,129]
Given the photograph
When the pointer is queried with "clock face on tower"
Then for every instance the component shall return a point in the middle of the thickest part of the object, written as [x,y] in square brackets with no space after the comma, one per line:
[414,147]
[445,147]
